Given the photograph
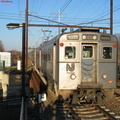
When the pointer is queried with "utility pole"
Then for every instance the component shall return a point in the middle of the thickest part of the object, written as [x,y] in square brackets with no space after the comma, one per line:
[42,35]
[111,16]
[23,72]
[59,21]
[58,14]
[26,33]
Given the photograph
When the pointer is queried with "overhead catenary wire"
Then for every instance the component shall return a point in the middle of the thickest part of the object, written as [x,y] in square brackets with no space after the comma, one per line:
[46,19]
[20,16]
[93,21]
[62,10]
[65,5]
[66,24]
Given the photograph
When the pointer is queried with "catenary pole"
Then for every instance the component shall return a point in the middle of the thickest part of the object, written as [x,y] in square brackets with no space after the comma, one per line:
[26,35]
[111,16]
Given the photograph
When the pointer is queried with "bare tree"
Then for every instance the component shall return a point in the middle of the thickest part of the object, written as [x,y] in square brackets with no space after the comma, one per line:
[1,46]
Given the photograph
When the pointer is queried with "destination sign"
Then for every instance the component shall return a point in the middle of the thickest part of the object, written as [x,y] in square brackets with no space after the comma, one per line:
[105,37]
[73,37]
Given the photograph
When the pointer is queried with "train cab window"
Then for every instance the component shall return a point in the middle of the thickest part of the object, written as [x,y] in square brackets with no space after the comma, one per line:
[87,51]
[107,52]
[70,52]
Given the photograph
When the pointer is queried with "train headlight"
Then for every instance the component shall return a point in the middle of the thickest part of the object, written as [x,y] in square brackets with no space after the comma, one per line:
[104,76]
[95,37]
[84,37]
[73,76]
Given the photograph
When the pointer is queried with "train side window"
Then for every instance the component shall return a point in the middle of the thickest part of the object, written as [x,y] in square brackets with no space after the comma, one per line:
[87,51]
[45,57]
[107,52]
[70,52]
[49,55]
[48,58]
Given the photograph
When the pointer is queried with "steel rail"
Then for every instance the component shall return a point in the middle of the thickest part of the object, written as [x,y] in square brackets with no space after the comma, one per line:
[110,117]
[117,94]
[72,112]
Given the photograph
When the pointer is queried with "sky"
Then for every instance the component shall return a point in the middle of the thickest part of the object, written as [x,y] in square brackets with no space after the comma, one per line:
[72,12]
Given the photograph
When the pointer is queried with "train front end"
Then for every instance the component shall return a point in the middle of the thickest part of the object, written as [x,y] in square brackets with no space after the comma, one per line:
[87,65]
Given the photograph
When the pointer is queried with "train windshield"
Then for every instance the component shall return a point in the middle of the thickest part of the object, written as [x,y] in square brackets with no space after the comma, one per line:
[87,51]
[107,52]
[70,52]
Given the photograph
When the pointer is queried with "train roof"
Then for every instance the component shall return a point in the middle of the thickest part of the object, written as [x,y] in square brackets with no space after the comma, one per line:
[88,30]
[99,30]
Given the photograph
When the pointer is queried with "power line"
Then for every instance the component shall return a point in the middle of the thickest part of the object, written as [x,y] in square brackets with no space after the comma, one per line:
[94,21]
[46,19]
[65,6]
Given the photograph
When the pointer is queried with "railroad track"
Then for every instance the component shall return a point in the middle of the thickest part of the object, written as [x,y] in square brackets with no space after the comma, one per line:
[117,92]
[118,86]
[86,112]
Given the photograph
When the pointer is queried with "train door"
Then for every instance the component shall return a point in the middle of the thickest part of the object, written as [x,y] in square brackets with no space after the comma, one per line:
[69,62]
[54,62]
[88,63]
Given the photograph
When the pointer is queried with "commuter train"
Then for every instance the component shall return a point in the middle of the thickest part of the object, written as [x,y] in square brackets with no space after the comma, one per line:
[80,65]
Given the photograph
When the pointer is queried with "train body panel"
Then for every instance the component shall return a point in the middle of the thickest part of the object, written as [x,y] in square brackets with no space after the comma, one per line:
[69,64]
[69,78]
[79,60]
[107,77]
